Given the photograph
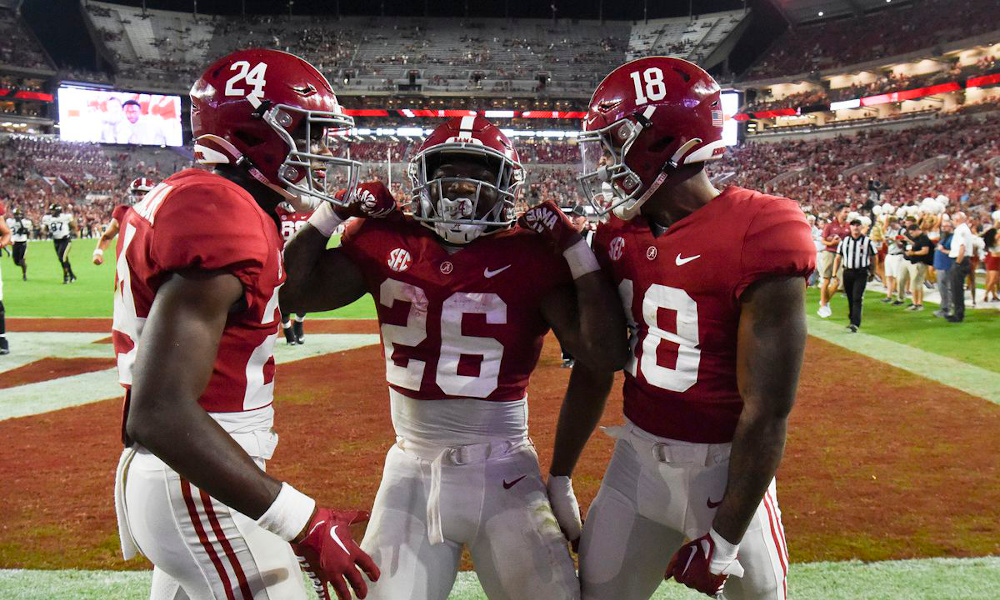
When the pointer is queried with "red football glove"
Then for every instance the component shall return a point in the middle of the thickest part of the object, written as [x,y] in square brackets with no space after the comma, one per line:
[370,200]
[328,554]
[696,565]
[547,219]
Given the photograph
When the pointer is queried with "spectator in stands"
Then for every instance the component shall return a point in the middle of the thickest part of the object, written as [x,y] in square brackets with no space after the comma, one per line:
[833,233]
[942,265]
[962,247]
[918,256]
[991,240]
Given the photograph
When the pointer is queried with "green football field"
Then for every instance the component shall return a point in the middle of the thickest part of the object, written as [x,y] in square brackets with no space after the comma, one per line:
[45,295]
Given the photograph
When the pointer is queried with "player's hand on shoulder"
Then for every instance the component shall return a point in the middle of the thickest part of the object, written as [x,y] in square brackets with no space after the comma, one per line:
[565,507]
[370,200]
[548,220]
[705,564]
[328,554]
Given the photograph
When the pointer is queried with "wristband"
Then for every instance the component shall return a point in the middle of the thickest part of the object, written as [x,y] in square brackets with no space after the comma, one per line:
[325,219]
[725,551]
[581,259]
[98,252]
[289,514]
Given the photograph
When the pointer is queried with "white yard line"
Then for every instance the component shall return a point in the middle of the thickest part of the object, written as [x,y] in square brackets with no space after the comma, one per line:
[76,390]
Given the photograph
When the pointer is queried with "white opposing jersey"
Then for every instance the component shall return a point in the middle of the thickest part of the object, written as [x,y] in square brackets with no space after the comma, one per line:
[57,226]
[19,229]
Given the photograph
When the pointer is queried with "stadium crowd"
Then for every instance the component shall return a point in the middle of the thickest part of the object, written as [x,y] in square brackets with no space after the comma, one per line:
[17,46]
[889,32]
[83,178]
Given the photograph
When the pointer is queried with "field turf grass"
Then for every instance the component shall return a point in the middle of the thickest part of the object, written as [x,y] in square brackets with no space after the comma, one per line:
[45,295]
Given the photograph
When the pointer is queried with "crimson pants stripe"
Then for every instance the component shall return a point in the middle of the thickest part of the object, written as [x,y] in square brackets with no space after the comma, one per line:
[777,544]
[241,577]
[203,538]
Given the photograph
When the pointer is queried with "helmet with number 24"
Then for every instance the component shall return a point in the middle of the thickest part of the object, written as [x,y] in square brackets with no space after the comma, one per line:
[272,113]
[650,116]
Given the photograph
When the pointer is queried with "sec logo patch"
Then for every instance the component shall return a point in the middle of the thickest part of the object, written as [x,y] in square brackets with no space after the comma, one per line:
[399,260]
[616,247]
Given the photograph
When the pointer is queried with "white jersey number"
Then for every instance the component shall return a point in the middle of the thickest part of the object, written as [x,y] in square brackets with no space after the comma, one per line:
[684,373]
[654,87]
[454,344]
[253,77]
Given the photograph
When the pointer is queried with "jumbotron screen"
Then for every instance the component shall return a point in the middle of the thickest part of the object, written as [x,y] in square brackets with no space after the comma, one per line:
[730,106]
[114,117]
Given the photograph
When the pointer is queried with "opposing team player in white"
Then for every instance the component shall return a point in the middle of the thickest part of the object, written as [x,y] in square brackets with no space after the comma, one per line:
[196,317]
[713,285]
[60,227]
[464,301]
[20,230]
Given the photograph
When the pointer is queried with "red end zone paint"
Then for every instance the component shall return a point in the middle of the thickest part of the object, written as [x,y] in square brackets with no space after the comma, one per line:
[47,369]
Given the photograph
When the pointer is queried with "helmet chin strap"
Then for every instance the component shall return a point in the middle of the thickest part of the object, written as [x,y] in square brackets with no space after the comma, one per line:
[629,210]
[214,150]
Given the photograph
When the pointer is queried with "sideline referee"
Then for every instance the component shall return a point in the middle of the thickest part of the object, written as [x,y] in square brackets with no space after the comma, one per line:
[856,253]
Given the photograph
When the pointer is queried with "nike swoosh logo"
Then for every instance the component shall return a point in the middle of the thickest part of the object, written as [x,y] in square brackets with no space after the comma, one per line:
[690,558]
[333,534]
[713,504]
[487,273]
[507,485]
[315,527]
[683,261]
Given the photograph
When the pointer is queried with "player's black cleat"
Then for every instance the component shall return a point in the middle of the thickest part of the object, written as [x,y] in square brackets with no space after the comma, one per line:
[289,335]
[300,335]
[4,348]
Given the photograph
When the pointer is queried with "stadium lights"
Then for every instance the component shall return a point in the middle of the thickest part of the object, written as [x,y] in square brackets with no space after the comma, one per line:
[820,13]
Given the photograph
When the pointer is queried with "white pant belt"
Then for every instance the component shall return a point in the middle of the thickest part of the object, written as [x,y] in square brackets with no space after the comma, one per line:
[454,455]
[665,450]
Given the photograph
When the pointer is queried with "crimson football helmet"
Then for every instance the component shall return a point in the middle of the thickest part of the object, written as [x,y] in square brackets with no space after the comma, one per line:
[272,113]
[139,187]
[442,203]
[650,116]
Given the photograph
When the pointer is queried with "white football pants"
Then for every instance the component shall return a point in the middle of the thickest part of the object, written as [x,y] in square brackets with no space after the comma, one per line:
[463,472]
[656,494]
[200,548]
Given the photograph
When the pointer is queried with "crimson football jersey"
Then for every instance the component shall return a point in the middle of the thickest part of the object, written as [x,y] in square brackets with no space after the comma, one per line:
[118,213]
[681,292]
[198,220]
[462,325]
[291,222]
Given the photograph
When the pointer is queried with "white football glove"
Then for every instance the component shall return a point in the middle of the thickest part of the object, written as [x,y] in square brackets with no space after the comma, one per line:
[565,507]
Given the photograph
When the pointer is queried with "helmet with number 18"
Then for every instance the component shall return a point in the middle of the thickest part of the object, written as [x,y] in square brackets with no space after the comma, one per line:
[272,113]
[651,116]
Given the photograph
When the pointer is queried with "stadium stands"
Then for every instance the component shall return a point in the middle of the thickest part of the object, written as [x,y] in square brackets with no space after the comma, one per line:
[682,37]
[887,33]
[18,47]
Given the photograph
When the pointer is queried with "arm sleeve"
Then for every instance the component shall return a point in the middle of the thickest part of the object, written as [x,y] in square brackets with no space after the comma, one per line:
[600,246]
[118,214]
[350,240]
[212,228]
[777,243]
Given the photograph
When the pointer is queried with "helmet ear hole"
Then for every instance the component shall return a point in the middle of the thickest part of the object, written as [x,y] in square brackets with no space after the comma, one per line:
[661,145]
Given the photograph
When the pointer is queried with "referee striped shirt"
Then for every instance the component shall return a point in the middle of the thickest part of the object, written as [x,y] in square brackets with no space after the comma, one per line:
[856,253]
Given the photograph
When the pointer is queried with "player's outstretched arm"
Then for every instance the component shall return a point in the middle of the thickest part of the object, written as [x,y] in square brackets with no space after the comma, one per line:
[319,279]
[102,244]
[771,343]
[587,316]
[4,233]
[173,366]
[581,411]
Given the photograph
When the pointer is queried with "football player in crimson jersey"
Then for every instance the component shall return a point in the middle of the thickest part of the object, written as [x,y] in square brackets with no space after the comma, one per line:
[464,301]
[196,317]
[290,222]
[712,284]
[136,190]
